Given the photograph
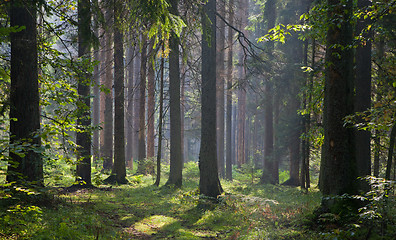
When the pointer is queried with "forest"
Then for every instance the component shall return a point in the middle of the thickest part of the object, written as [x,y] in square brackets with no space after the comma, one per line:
[197,119]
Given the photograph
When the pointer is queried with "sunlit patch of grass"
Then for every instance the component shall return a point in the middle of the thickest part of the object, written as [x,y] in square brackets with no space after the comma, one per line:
[153,224]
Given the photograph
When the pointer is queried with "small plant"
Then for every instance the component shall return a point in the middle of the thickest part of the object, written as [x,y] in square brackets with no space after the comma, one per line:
[377,213]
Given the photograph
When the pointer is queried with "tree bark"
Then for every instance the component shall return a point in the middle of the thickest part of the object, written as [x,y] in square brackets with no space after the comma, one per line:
[242,90]
[24,94]
[220,88]
[119,169]
[338,165]
[83,138]
[176,164]
[209,183]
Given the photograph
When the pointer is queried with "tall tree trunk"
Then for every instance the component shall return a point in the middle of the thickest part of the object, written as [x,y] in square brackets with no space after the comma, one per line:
[83,138]
[150,105]
[160,121]
[183,140]
[229,93]
[96,94]
[176,164]
[242,90]
[142,110]
[270,163]
[129,110]
[209,183]
[363,94]
[119,170]
[136,107]
[338,165]
[24,95]
[220,87]
[107,149]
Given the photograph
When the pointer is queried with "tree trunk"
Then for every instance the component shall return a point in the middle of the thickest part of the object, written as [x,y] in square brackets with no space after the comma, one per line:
[363,95]
[119,170]
[129,110]
[96,96]
[242,90]
[83,138]
[209,183]
[142,110]
[176,164]
[390,152]
[229,93]
[160,122]
[136,108]
[24,94]
[107,149]
[270,164]
[338,165]
[220,88]
[150,106]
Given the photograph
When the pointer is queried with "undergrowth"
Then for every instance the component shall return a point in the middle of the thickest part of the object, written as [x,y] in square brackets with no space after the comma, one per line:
[139,210]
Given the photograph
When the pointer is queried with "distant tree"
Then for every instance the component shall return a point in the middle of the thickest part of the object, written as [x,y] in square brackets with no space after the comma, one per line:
[83,138]
[176,163]
[160,121]
[150,104]
[242,84]
[209,183]
[142,109]
[271,165]
[107,148]
[129,110]
[24,95]
[229,92]
[338,171]
[96,91]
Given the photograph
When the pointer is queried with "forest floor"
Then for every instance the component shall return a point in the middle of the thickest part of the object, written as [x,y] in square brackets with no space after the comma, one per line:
[139,210]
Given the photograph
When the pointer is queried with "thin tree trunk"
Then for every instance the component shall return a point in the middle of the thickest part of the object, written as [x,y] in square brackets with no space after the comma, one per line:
[129,110]
[390,151]
[160,122]
[96,99]
[142,110]
[108,113]
[150,105]
[136,107]
[229,93]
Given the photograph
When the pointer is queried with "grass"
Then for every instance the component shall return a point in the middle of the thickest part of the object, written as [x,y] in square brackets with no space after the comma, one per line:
[140,210]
